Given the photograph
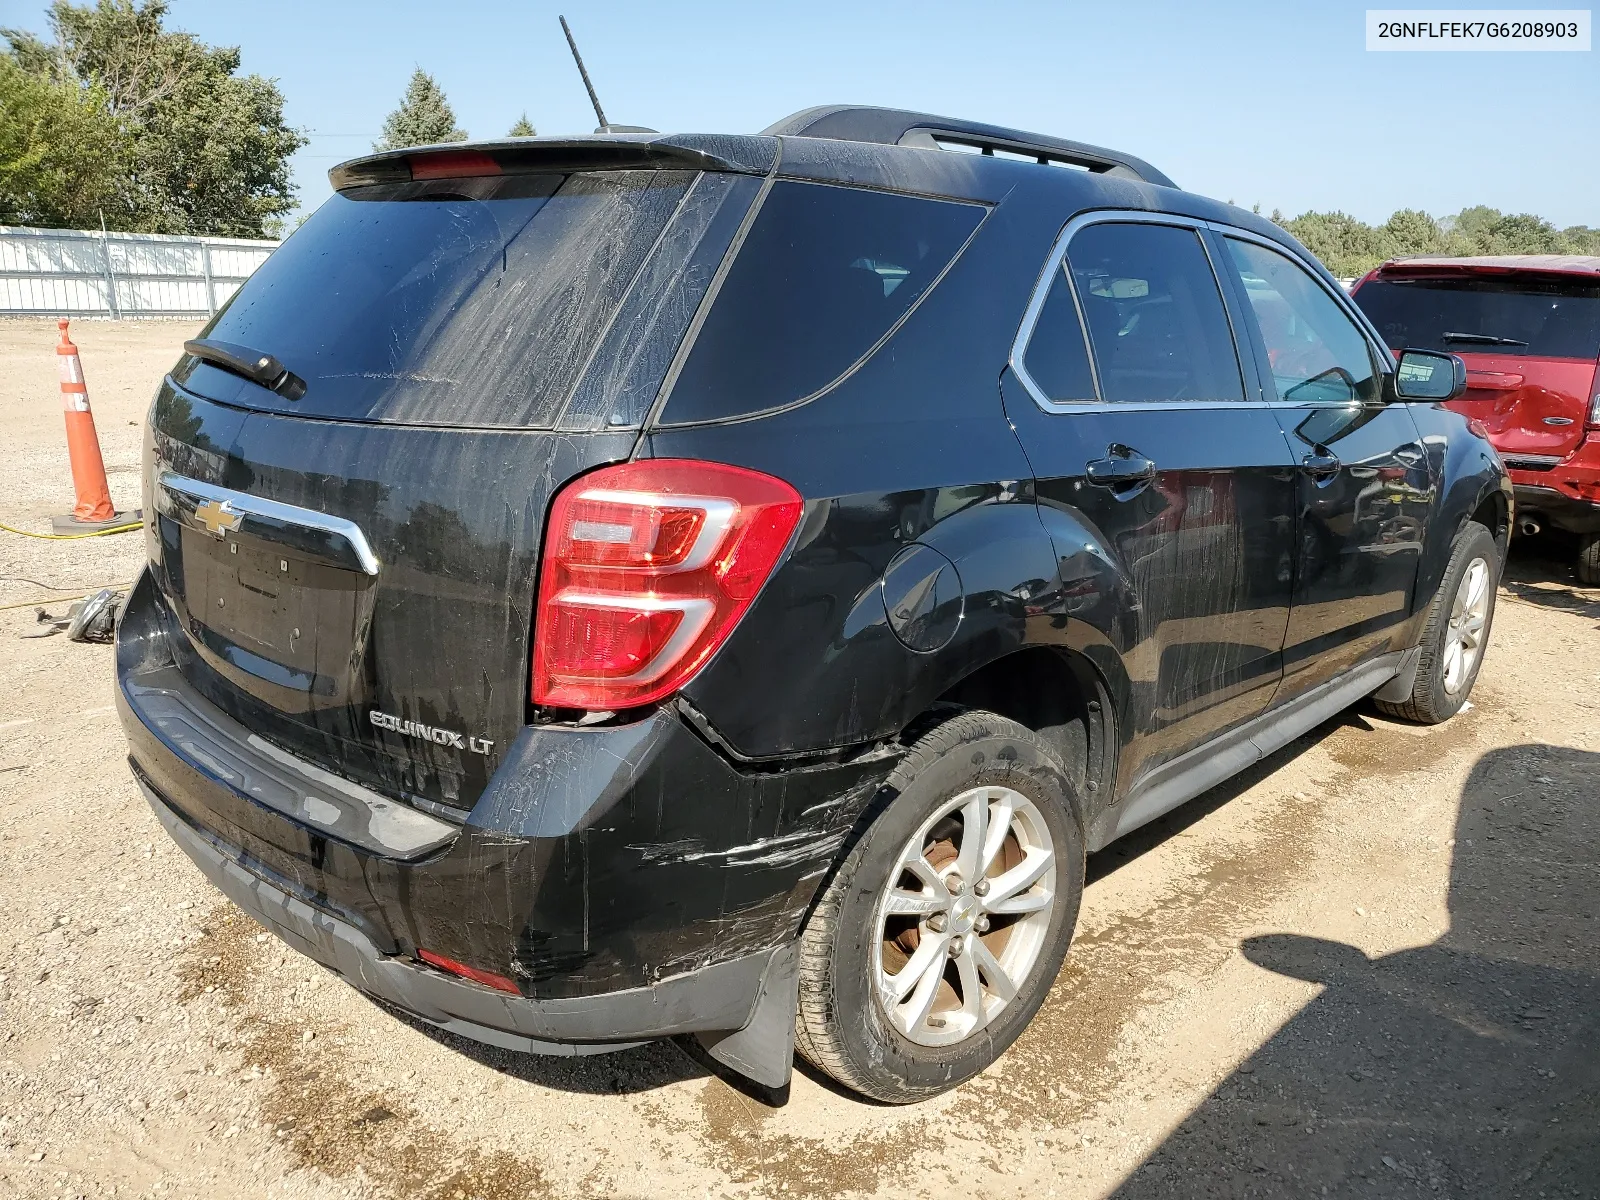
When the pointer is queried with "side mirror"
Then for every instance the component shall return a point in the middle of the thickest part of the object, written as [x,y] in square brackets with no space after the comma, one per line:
[1428,376]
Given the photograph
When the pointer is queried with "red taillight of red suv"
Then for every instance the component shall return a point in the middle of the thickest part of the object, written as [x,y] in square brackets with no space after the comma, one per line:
[648,566]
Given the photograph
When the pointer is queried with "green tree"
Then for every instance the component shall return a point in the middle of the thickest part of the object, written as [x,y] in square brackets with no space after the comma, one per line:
[1411,231]
[1581,239]
[423,118]
[1523,233]
[63,157]
[1346,245]
[523,128]
[1472,225]
[208,149]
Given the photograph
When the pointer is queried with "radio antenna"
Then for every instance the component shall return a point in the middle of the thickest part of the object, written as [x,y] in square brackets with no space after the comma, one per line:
[582,70]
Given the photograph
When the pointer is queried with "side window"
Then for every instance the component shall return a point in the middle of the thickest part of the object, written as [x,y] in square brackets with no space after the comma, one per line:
[1057,360]
[1155,315]
[1316,352]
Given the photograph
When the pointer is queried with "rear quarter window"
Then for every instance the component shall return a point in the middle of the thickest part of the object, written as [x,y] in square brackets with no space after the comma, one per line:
[824,274]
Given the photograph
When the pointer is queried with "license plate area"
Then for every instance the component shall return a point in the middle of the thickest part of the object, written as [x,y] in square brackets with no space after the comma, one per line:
[278,624]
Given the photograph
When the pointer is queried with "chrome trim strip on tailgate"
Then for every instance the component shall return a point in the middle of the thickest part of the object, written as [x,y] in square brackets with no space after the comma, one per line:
[247,505]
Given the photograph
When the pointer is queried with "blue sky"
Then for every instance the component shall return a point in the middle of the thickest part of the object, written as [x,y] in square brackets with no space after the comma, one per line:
[1276,104]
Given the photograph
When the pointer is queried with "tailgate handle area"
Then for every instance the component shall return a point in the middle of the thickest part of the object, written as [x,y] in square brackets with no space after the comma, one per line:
[219,511]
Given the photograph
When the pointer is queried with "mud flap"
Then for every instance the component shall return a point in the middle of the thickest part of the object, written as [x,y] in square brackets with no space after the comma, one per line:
[1398,689]
[764,1049]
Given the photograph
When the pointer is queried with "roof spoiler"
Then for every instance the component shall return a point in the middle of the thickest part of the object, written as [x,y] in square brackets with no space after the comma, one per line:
[609,152]
[896,127]
[1566,266]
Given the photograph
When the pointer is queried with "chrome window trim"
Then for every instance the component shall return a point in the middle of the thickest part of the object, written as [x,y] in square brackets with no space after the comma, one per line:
[273,510]
[1054,263]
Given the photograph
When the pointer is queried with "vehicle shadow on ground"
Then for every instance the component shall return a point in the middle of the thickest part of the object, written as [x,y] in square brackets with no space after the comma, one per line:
[1468,1067]
[1540,571]
[641,1069]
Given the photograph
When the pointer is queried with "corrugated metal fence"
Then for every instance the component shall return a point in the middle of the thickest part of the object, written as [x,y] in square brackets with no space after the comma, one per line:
[76,272]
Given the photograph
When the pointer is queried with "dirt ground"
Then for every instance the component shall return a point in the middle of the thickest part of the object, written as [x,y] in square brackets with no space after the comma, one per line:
[1370,966]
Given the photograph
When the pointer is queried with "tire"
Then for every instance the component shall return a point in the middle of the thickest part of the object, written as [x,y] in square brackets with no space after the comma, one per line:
[1443,681]
[1589,561]
[845,1025]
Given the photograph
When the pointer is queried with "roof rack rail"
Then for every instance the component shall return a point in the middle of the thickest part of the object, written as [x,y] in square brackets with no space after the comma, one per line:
[895,127]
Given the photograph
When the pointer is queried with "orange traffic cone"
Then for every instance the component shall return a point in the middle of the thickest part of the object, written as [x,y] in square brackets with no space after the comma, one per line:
[94,509]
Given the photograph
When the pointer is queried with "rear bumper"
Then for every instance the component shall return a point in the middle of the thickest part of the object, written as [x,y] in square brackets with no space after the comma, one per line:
[719,997]
[630,880]
[1556,508]
[1565,495]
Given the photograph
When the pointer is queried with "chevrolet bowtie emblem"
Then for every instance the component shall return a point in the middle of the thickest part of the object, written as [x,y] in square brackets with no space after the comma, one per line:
[219,517]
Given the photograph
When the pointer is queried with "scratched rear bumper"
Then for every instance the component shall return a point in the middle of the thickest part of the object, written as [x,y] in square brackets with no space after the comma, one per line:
[598,862]
[717,997]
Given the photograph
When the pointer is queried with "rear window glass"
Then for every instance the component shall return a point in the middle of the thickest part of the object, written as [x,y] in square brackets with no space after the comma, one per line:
[824,273]
[466,301]
[1549,319]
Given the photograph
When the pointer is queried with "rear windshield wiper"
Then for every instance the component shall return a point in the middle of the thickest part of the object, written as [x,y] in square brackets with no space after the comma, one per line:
[251,364]
[1485,339]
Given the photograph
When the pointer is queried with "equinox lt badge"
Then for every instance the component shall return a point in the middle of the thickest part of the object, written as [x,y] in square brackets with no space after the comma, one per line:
[430,733]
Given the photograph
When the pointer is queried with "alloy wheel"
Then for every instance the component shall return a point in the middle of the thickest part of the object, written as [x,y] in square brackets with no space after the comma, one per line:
[964,915]
[1464,636]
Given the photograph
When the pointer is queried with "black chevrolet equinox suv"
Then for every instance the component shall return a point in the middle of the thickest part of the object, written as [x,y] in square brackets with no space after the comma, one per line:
[634,586]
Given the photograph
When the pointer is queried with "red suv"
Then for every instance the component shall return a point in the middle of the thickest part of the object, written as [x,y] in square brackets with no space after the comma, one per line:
[1528,328]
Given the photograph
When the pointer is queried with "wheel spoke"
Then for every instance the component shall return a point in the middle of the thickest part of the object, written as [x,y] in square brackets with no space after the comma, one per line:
[971,989]
[974,828]
[1006,891]
[1026,902]
[1471,630]
[916,1009]
[927,961]
[1452,664]
[932,883]
[1477,586]
[903,903]
[993,973]
[1000,815]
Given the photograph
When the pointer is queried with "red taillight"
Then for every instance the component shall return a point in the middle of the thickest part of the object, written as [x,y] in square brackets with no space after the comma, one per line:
[488,978]
[648,566]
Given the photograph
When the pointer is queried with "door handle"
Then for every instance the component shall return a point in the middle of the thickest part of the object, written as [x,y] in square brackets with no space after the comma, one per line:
[1321,465]
[1122,467]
